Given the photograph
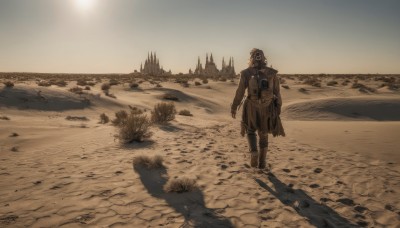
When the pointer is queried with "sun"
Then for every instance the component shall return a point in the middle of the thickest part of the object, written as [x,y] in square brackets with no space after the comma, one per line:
[84,4]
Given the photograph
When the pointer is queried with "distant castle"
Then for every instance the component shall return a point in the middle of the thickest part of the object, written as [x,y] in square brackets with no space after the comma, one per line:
[210,69]
[152,66]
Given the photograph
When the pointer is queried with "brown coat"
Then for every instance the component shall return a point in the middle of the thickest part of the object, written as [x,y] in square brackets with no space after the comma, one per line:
[260,108]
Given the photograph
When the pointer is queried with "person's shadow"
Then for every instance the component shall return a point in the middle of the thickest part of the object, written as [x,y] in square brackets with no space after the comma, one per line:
[317,214]
[190,204]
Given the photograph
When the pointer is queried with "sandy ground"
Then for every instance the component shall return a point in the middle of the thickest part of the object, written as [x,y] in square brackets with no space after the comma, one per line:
[338,166]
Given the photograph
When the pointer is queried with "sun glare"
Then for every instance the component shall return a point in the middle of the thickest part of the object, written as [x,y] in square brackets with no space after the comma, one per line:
[84,4]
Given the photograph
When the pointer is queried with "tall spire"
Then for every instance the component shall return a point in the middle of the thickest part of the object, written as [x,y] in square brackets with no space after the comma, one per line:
[223,62]
[151,57]
[230,62]
[206,58]
[211,58]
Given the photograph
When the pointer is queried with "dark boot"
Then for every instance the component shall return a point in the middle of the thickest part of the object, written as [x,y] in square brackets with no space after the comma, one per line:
[254,159]
[262,158]
[252,140]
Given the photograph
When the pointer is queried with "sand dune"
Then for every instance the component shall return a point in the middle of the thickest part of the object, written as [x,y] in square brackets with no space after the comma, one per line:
[354,108]
[341,173]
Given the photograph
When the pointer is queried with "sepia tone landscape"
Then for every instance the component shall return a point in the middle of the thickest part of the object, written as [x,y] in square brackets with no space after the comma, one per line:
[68,157]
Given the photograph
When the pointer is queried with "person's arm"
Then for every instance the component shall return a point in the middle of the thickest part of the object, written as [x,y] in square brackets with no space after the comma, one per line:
[239,95]
[277,93]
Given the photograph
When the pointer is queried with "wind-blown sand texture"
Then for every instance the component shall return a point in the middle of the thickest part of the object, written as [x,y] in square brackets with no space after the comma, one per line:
[337,167]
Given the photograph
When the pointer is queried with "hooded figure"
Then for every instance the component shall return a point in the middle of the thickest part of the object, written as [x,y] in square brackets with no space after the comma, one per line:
[261,108]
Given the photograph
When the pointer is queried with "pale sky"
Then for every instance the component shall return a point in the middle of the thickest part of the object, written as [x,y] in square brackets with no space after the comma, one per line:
[114,36]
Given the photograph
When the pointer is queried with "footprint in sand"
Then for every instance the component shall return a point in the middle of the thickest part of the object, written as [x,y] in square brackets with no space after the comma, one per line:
[317,170]
[314,186]
[360,208]
[346,201]
[362,223]
[286,170]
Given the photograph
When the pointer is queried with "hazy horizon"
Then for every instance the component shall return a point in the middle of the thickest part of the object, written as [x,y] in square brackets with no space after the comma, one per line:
[100,36]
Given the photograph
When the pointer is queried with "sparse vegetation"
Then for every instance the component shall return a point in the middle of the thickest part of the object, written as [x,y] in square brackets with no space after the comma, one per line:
[87,87]
[285,86]
[44,83]
[313,81]
[163,112]
[81,82]
[181,185]
[205,81]
[77,90]
[197,83]
[133,85]
[120,117]
[9,84]
[105,86]
[185,112]
[332,83]
[362,88]
[77,118]
[113,82]
[135,128]
[104,118]
[147,162]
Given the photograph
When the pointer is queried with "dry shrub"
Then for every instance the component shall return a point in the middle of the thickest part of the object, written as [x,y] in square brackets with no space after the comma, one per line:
[133,85]
[44,83]
[87,88]
[4,118]
[113,82]
[77,90]
[14,149]
[135,110]
[181,185]
[185,112]
[79,118]
[81,82]
[60,83]
[105,86]
[135,128]
[158,85]
[313,82]
[170,96]
[104,118]
[9,84]
[332,83]
[197,83]
[120,117]
[362,88]
[285,86]
[222,79]
[205,81]
[163,112]
[155,162]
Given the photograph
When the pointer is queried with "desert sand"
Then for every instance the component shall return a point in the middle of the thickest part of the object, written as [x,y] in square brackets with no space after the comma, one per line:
[338,166]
